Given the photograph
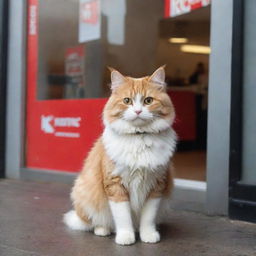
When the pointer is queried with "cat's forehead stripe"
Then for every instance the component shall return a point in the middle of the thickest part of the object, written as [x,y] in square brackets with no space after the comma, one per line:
[138,87]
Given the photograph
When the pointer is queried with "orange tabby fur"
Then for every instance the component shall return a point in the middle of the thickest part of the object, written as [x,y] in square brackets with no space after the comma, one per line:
[96,184]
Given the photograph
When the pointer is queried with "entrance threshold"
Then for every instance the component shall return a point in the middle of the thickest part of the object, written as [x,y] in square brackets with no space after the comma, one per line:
[189,195]
[190,184]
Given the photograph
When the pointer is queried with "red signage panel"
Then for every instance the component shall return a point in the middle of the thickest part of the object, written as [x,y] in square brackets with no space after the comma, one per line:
[61,132]
[177,7]
[90,11]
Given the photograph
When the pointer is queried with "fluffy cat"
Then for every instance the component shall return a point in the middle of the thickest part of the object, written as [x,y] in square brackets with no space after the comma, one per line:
[128,171]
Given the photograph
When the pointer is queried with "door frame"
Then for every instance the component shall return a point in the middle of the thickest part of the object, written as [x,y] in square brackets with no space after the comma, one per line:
[15,127]
[242,197]
[3,70]
[212,198]
[218,134]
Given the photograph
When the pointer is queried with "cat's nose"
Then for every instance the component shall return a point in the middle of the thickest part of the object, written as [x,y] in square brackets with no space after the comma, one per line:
[138,111]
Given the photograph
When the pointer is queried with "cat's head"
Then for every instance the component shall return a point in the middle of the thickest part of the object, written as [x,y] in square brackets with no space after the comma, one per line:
[139,105]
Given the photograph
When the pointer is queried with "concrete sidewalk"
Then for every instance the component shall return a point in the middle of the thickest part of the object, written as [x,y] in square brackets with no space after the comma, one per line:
[31,224]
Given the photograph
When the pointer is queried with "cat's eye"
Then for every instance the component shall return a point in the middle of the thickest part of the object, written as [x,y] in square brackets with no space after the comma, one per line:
[127,101]
[148,100]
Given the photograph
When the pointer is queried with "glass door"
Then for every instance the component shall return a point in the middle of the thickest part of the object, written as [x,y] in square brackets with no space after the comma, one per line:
[65,75]
[69,46]
[243,117]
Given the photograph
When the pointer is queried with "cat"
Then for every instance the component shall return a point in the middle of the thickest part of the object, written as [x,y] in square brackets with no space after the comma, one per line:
[128,172]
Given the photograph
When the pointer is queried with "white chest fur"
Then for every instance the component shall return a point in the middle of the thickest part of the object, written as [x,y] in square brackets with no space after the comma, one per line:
[140,151]
[140,159]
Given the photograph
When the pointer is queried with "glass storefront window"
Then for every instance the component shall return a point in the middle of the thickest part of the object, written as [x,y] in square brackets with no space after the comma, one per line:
[77,39]
[70,45]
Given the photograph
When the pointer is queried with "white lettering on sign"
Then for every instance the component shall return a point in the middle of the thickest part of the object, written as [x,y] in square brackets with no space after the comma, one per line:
[87,12]
[49,124]
[32,20]
[68,134]
[67,121]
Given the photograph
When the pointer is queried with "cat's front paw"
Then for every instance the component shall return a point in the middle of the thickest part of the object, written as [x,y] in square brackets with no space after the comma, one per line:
[149,236]
[125,237]
[101,231]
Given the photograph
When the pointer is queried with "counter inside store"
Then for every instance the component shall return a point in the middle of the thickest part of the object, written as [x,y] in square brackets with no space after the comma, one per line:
[190,103]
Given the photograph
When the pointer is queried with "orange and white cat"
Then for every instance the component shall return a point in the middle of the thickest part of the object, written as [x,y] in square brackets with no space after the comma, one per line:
[128,171]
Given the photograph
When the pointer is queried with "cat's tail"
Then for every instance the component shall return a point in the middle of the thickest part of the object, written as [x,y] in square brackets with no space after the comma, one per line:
[73,221]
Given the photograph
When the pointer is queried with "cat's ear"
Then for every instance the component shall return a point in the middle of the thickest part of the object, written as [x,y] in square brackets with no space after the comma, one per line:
[158,77]
[116,79]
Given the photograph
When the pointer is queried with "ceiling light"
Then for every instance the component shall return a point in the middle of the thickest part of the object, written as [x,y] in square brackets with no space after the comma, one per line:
[201,49]
[178,40]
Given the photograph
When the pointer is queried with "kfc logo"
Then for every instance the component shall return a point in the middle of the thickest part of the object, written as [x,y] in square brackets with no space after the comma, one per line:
[46,125]
[49,125]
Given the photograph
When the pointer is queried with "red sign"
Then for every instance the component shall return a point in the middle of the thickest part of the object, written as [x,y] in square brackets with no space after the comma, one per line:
[177,7]
[90,20]
[90,12]
[74,66]
[59,132]
[74,59]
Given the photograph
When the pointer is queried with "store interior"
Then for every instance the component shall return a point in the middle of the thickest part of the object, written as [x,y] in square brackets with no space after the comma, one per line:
[187,79]
[136,40]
